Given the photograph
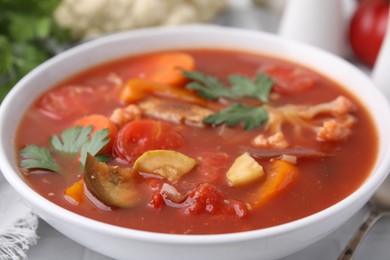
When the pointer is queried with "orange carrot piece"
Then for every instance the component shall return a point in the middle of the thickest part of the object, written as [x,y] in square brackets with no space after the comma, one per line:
[137,89]
[99,122]
[280,176]
[76,191]
[165,68]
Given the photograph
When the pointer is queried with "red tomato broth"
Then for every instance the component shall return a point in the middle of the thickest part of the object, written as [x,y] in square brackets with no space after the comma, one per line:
[321,182]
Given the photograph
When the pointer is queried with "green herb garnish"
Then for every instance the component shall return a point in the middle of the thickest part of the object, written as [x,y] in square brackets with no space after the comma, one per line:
[207,86]
[35,157]
[243,86]
[210,87]
[72,141]
[98,141]
[250,117]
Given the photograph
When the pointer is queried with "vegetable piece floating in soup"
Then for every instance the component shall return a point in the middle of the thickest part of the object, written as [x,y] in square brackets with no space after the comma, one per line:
[196,142]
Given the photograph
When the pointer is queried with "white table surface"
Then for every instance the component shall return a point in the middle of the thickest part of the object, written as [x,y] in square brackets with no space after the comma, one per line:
[53,245]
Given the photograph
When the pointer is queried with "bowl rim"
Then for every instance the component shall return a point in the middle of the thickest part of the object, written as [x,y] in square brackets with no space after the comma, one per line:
[28,194]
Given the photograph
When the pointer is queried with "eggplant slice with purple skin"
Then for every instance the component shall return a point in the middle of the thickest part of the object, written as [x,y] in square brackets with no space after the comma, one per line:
[112,185]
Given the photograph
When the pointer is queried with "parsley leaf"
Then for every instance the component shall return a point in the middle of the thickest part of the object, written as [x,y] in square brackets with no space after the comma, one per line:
[250,117]
[98,141]
[211,87]
[35,157]
[244,86]
[72,139]
[241,86]
[208,87]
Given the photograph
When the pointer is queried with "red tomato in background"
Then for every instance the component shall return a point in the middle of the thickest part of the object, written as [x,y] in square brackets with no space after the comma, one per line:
[367,29]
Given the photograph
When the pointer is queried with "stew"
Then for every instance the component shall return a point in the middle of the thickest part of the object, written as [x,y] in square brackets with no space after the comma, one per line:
[197,141]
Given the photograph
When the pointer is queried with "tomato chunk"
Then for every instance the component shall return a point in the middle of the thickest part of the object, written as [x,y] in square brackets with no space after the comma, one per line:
[203,199]
[72,101]
[140,136]
[206,198]
[213,166]
[289,79]
[157,200]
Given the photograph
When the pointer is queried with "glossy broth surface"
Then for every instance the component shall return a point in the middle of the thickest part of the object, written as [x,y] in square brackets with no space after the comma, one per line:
[320,182]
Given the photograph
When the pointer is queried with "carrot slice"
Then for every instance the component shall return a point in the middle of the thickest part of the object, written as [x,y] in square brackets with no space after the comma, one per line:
[76,191]
[165,68]
[99,122]
[137,89]
[280,176]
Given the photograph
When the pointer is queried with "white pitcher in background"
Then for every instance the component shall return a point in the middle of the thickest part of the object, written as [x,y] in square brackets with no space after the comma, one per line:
[381,70]
[318,22]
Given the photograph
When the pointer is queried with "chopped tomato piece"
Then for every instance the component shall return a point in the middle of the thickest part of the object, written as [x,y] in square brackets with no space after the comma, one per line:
[289,79]
[203,199]
[141,136]
[213,165]
[206,198]
[65,102]
[71,101]
[157,200]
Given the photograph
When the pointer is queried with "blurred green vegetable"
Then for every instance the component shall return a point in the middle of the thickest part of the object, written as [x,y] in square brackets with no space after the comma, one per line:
[28,36]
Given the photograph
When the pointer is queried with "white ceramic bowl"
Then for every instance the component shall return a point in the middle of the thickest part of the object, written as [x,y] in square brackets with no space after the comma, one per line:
[122,243]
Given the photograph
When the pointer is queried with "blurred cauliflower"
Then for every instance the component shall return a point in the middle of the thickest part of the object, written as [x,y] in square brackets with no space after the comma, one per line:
[90,18]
